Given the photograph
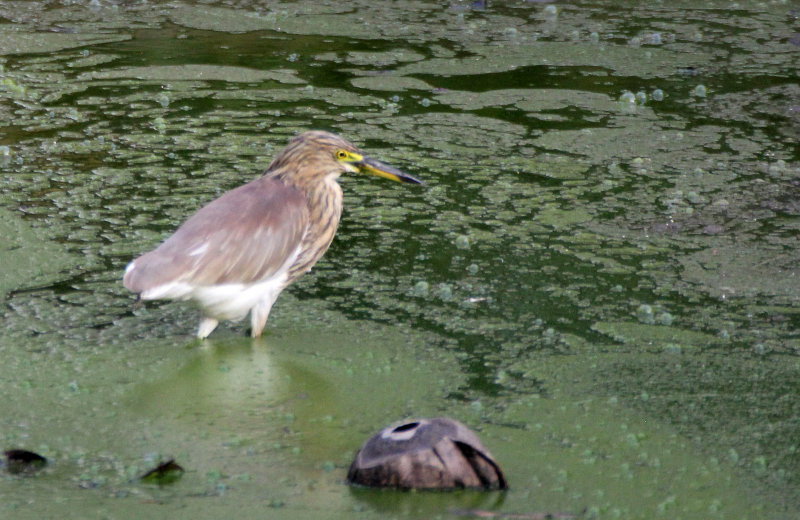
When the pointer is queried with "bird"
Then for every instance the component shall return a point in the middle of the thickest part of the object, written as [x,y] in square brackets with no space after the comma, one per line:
[236,254]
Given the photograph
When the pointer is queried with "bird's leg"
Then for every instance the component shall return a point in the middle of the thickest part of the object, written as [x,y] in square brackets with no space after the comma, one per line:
[206,327]
[258,317]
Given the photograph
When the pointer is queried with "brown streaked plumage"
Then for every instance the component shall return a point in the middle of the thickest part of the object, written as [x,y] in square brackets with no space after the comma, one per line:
[236,254]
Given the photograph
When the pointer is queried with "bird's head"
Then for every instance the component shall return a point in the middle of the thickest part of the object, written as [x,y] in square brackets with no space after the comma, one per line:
[314,155]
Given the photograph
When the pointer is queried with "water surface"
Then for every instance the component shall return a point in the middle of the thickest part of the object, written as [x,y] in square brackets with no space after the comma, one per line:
[600,275]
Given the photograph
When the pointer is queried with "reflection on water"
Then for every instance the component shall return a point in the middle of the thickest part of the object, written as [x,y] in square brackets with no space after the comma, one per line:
[219,381]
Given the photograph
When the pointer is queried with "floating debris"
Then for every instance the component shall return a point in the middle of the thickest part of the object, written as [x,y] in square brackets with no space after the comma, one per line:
[699,91]
[654,39]
[24,462]
[627,97]
[445,292]
[163,474]
[162,99]
[644,313]
[421,288]
[435,453]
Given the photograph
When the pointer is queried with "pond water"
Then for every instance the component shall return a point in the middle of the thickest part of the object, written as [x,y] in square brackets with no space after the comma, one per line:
[600,275]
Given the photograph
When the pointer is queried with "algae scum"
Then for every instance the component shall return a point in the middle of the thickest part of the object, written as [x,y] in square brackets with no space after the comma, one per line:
[600,275]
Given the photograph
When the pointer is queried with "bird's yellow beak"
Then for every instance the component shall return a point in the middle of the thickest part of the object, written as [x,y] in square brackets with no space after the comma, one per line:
[384,170]
[357,162]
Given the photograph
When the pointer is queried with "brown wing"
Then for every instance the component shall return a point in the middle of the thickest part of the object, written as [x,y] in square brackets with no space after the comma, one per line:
[244,236]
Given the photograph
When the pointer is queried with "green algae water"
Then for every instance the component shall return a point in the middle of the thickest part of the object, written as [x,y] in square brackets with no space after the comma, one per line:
[600,276]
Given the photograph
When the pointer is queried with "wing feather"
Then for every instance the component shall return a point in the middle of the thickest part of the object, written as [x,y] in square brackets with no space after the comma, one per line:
[245,236]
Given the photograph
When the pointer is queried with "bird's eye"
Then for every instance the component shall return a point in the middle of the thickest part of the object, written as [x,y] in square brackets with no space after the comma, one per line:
[341,154]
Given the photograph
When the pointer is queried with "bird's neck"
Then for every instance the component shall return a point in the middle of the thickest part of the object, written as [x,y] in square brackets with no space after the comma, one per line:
[325,209]
[305,183]
[325,196]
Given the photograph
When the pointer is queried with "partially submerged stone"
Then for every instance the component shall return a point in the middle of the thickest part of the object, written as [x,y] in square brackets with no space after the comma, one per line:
[435,453]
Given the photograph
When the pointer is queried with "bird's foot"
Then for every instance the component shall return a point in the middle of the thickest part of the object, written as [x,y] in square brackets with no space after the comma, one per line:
[206,327]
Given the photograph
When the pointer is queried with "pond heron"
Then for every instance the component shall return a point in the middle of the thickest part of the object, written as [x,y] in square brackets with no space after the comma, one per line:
[236,254]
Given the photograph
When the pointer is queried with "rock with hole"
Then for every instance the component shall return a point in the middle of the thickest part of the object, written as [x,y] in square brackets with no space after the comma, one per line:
[438,453]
